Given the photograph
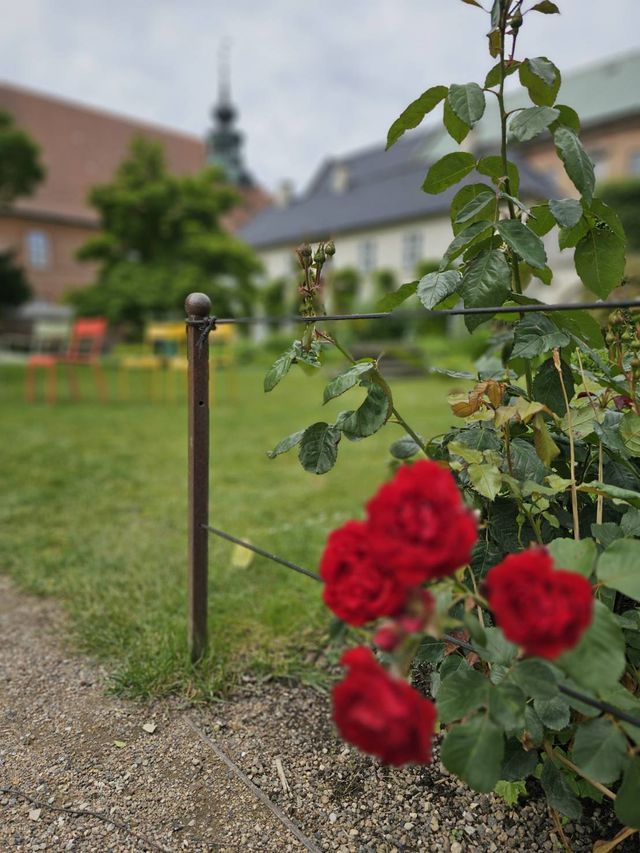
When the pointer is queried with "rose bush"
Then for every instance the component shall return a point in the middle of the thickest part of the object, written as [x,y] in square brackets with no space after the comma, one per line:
[543,471]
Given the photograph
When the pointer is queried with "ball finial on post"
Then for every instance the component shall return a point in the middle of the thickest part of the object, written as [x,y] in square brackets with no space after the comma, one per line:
[197,305]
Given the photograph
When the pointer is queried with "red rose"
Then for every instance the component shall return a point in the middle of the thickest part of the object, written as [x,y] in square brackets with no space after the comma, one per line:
[357,588]
[418,525]
[380,714]
[542,610]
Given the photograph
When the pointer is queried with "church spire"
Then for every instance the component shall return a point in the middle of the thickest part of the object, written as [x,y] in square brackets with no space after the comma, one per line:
[224,142]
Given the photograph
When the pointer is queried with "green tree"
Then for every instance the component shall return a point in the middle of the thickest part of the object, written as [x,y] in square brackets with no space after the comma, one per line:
[161,238]
[20,173]
[20,167]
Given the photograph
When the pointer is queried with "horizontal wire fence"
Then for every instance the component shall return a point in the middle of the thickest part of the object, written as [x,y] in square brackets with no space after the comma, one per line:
[199,325]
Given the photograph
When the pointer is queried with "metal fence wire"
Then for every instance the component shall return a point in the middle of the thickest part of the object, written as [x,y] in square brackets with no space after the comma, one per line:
[200,324]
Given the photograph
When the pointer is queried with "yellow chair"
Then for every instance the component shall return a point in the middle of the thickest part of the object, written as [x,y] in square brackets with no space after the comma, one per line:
[221,354]
[165,340]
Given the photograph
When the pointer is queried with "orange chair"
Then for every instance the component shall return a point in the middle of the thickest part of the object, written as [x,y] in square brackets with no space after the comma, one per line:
[85,347]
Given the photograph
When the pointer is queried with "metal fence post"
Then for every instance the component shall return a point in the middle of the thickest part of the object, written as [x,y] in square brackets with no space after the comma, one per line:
[198,307]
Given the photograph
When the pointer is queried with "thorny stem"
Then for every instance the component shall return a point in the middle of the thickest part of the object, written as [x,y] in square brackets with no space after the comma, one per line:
[600,498]
[572,449]
[505,166]
[555,817]
[556,756]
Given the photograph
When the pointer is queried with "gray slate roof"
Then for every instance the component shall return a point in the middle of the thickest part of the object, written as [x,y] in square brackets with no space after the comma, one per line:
[384,187]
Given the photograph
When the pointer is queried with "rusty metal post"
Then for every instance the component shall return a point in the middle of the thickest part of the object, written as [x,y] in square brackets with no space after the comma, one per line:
[198,308]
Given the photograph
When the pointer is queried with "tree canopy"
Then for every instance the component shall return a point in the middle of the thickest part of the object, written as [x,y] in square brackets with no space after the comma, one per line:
[160,239]
[20,167]
[20,172]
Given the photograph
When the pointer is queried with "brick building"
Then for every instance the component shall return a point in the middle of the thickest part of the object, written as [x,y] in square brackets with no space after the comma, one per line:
[82,146]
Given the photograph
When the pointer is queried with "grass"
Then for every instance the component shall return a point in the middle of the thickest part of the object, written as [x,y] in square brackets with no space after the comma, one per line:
[93,512]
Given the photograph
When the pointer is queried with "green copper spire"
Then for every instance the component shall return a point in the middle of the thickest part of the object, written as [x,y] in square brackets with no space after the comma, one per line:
[224,141]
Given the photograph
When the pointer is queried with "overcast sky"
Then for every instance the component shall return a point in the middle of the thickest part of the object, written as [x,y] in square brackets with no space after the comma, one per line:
[311,79]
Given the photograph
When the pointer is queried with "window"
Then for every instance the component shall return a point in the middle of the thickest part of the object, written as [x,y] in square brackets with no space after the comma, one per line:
[38,250]
[367,256]
[412,251]
[634,163]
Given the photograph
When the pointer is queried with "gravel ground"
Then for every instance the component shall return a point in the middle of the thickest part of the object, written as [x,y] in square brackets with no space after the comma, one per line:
[66,744]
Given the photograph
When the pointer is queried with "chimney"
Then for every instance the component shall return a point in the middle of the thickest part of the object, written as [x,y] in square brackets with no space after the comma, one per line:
[284,193]
[340,178]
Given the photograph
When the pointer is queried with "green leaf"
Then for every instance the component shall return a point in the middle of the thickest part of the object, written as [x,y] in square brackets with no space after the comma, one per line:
[486,479]
[436,286]
[582,325]
[462,692]
[506,706]
[576,161]
[627,805]
[533,726]
[529,123]
[630,432]
[600,750]
[473,233]
[473,751]
[574,556]
[404,448]
[371,415]
[535,334]
[523,242]
[525,462]
[600,261]
[415,112]
[554,712]
[347,380]
[559,794]
[497,648]
[477,204]
[495,74]
[546,7]
[390,301]
[547,388]
[614,492]
[566,211]
[511,791]
[286,444]
[456,128]
[472,3]
[465,196]
[568,118]
[278,370]
[619,567]
[319,448]
[486,282]
[448,171]
[430,650]
[598,660]
[541,79]
[492,166]
[607,215]
[517,762]
[569,237]
[541,221]
[467,102]
[536,678]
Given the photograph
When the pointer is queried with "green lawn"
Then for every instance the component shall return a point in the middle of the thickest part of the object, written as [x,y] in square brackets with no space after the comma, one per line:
[93,512]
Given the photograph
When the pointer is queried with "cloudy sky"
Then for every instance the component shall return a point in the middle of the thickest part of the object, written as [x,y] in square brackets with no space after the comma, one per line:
[311,79]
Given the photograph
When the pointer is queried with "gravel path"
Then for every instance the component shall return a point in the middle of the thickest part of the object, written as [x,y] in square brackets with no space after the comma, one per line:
[163,770]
